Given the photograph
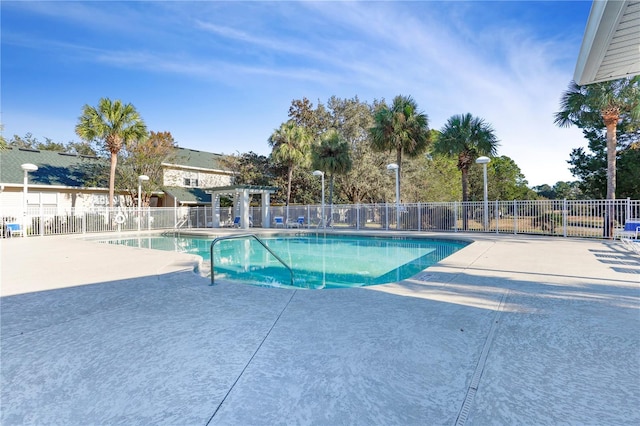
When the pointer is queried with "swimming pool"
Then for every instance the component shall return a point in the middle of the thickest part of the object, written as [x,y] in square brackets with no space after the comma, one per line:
[317,260]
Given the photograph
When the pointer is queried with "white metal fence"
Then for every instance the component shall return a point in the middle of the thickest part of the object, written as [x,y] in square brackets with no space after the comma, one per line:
[566,218]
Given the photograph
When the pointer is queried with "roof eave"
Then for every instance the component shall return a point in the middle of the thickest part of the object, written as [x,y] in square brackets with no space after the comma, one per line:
[603,21]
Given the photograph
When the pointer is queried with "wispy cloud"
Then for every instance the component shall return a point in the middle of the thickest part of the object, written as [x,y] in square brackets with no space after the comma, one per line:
[452,57]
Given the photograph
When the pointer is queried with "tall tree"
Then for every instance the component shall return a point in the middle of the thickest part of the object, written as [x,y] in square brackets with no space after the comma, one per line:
[467,138]
[504,178]
[250,168]
[31,142]
[353,120]
[431,178]
[606,103]
[401,128]
[290,147]
[304,115]
[113,123]
[81,148]
[145,157]
[331,156]
[567,190]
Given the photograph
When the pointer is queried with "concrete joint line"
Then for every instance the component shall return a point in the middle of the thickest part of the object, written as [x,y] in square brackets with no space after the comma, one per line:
[463,269]
[477,374]
[252,357]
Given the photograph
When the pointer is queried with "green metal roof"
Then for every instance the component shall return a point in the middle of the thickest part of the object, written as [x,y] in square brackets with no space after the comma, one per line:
[194,158]
[253,189]
[54,168]
[59,168]
[188,195]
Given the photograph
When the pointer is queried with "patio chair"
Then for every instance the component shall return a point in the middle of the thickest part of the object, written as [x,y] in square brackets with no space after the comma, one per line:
[13,228]
[236,222]
[278,222]
[632,244]
[298,223]
[631,229]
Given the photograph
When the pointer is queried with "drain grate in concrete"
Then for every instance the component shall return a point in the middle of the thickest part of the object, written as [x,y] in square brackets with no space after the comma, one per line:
[424,277]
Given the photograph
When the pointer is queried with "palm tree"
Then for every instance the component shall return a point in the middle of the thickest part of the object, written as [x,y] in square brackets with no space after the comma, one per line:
[332,156]
[607,101]
[468,138]
[290,147]
[401,128]
[113,123]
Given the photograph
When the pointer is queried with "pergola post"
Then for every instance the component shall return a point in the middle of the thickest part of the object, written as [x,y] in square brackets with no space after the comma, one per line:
[244,208]
[215,211]
[266,201]
[241,206]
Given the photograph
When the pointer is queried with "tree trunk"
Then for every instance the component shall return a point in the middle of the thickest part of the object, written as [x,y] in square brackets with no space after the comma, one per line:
[112,177]
[331,190]
[331,198]
[399,161]
[611,121]
[612,124]
[465,185]
[465,198]
[289,178]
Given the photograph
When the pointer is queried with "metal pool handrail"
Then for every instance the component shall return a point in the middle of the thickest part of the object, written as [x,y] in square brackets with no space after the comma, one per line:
[230,237]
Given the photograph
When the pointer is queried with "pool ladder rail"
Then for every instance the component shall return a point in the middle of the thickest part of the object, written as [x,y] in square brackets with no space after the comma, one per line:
[254,236]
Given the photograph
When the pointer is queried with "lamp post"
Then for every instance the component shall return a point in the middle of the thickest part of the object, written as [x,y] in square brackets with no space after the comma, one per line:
[141,178]
[394,166]
[27,167]
[321,174]
[484,161]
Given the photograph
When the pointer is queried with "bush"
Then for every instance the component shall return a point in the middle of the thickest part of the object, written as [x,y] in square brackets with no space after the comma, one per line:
[439,218]
[547,221]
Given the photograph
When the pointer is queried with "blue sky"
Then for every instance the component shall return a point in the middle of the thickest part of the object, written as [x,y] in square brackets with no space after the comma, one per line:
[220,76]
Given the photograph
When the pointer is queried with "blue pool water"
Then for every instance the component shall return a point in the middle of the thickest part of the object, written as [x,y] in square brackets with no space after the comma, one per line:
[317,261]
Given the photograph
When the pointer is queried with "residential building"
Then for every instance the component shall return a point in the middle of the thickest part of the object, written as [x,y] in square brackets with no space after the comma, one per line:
[188,172]
[64,181]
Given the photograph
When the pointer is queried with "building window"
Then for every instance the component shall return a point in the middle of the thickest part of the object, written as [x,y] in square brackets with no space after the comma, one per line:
[190,182]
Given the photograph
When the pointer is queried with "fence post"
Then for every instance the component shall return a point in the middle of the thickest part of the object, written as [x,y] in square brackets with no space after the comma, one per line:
[455,216]
[565,219]
[41,220]
[497,213]
[386,216]
[515,217]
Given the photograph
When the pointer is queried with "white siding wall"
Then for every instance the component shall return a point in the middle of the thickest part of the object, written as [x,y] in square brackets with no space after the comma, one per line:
[175,177]
[56,200]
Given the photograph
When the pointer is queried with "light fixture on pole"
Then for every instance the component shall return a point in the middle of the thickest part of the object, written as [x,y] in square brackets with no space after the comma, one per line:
[141,178]
[27,167]
[394,166]
[321,174]
[484,161]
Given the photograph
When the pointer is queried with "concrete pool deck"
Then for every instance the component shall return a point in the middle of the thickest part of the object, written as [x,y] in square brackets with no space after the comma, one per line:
[510,330]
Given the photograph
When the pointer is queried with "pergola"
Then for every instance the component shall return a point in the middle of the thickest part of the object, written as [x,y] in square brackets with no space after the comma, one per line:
[240,196]
[611,44]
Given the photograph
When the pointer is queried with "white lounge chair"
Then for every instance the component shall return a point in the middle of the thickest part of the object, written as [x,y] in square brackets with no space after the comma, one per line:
[12,229]
[633,244]
[631,229]
[299,223]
